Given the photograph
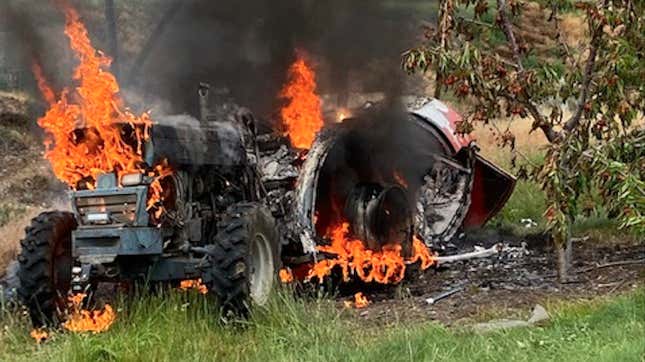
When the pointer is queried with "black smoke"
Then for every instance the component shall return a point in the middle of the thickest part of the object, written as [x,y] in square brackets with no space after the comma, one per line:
[241,46]
[246,47]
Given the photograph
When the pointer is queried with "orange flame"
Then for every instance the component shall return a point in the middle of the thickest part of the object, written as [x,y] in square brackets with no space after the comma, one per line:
[386,266]
[40,335]
[286,275]
[193,284]
[155,194]
[400,179]
[81,320]
[89,131]
[342,114]
[421,254]
[360,301]
[302,116]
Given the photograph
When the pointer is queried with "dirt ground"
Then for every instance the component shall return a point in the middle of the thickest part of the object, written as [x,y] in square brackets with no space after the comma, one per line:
[507,285]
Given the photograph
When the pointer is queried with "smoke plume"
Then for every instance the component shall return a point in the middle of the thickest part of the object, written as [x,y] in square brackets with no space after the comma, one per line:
[242,48]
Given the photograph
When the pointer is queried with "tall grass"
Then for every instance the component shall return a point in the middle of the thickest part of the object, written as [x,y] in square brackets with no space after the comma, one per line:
[180,327]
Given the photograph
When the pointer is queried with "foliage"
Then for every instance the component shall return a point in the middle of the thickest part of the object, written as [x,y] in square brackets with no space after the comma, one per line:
[598,145]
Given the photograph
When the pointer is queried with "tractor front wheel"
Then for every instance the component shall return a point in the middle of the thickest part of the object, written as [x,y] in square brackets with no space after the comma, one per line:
[45,269]
[244,258]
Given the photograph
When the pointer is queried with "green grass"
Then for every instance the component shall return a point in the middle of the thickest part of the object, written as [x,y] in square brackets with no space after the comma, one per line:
[180,328]
[528,201]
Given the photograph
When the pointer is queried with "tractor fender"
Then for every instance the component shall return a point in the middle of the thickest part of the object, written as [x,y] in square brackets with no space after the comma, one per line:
[444,119]
[492,186]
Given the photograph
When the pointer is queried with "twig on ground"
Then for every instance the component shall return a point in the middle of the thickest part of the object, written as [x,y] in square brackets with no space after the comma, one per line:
[622,282]
[612,264]
[446,294]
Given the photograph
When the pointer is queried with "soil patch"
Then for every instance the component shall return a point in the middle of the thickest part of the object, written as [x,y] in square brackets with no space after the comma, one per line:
[511,283]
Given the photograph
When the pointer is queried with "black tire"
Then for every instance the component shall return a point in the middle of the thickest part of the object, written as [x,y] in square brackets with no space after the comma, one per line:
[46,266]
[246,233]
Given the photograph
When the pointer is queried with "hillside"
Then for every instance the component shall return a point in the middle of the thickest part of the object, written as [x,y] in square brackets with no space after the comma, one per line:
[27,186]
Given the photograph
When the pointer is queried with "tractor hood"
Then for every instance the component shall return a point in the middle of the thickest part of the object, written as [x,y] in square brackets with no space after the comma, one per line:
[186,142]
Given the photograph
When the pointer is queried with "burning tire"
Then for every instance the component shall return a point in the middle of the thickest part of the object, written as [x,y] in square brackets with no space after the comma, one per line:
[244,259]
[46,265]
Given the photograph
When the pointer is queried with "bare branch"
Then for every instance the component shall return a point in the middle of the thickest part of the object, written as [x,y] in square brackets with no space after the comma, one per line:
[586,83]
[476,22]
[588,74]
[507,27]
[444,23]
[613,264]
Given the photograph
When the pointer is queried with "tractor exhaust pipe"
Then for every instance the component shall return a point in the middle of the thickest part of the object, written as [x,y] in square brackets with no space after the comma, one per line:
[204,96]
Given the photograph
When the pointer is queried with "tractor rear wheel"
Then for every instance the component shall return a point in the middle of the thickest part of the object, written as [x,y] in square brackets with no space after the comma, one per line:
[46,266]
[243,259]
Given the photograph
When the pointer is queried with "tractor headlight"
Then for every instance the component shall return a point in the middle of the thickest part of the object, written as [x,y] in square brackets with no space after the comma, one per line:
[98,218]
[132,179]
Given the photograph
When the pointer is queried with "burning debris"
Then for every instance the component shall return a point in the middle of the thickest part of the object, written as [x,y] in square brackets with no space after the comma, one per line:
[286,275]
[386,266]
[40,335]
[360,301]
[82,320]
[195,284]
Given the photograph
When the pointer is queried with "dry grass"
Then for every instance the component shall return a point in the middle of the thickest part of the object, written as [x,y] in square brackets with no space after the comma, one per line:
[574,29]
[528,143]
[12,233]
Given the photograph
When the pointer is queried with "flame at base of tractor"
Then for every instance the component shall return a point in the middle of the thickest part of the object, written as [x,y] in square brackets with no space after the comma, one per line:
[386,266]
[195,284]
[360,301]
[82,320]
[39,335]
[286,275]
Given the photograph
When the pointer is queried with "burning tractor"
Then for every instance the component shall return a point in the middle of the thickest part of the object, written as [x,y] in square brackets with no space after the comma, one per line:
[225,200]
[232,207]
[201,218]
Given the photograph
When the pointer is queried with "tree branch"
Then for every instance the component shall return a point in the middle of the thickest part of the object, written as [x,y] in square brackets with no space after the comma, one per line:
[586,83]
[507,27]
[550,134]
[444,23]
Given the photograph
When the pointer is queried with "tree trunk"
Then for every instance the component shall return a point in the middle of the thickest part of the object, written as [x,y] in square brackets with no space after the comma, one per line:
[112,35]
[564,250]
[437,86]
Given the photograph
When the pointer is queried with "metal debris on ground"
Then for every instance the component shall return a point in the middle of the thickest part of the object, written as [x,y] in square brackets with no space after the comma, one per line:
[444,295]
